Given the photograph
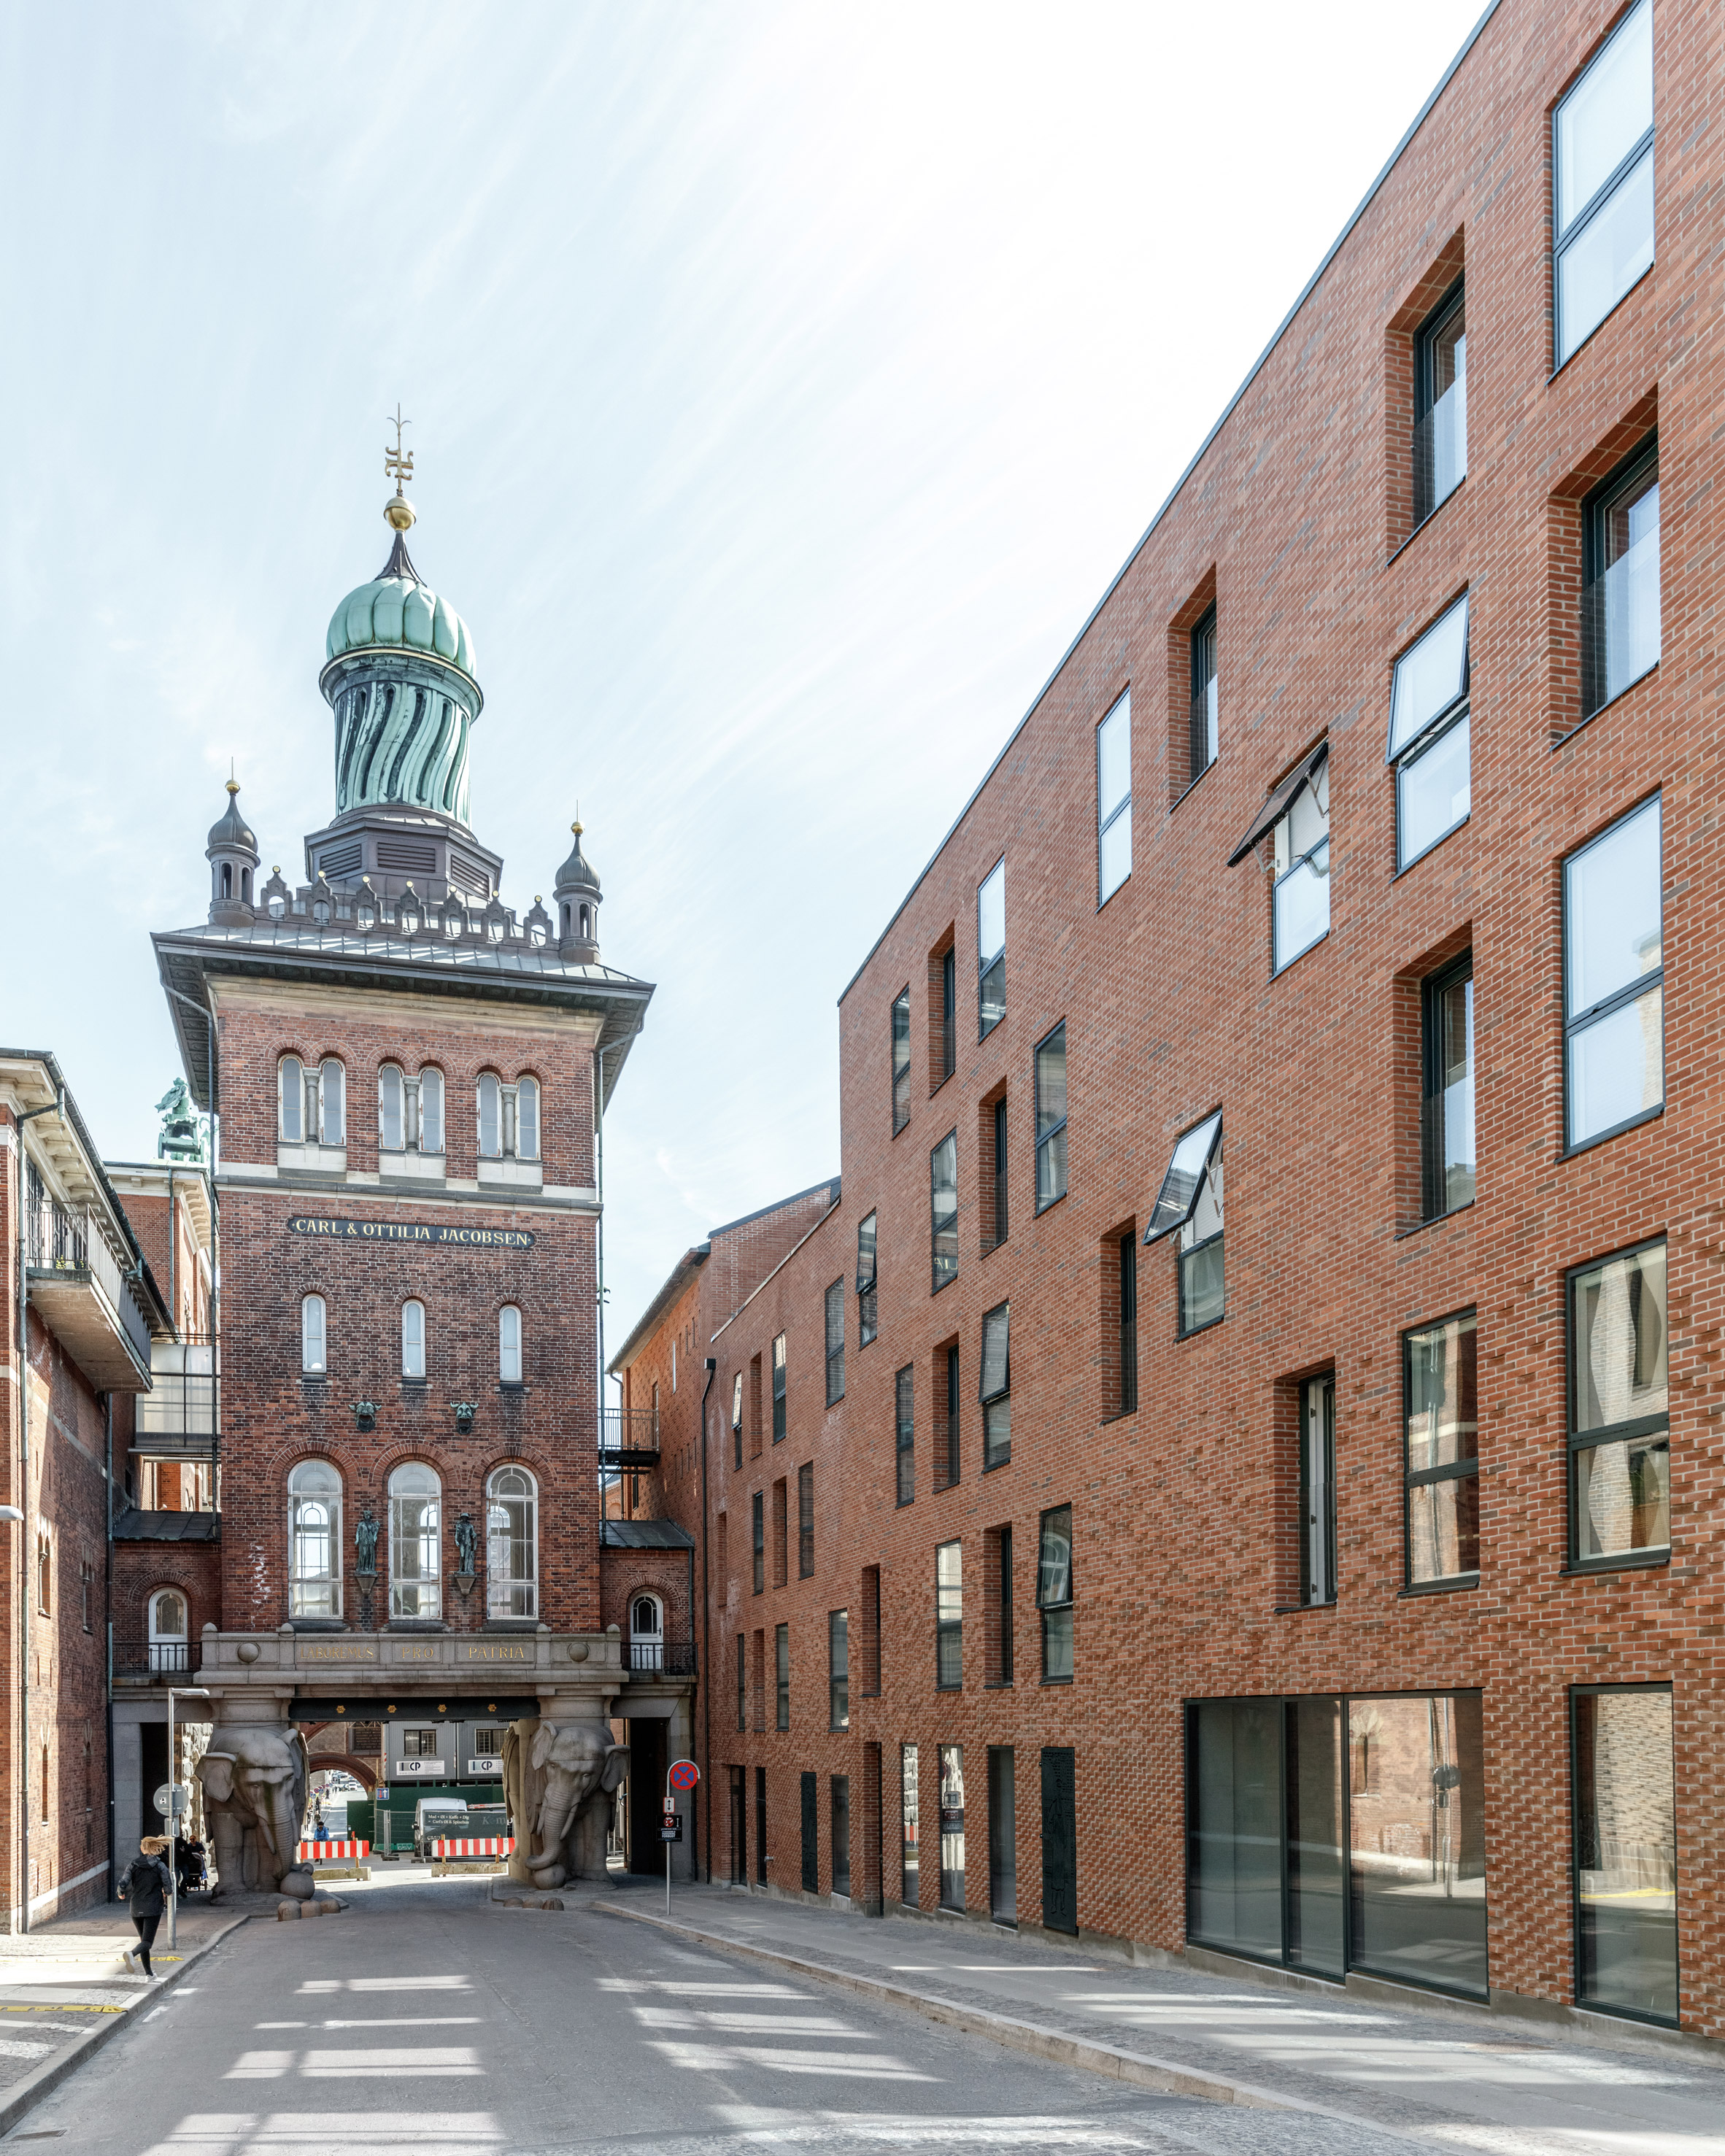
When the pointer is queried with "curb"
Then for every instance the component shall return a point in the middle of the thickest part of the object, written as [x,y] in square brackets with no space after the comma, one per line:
[25,2095]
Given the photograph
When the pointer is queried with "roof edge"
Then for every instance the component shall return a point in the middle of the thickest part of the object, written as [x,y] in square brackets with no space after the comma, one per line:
[684,1270]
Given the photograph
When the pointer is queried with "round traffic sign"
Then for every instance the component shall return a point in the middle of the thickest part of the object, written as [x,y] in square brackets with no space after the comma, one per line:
[684,1774]
[169,1800]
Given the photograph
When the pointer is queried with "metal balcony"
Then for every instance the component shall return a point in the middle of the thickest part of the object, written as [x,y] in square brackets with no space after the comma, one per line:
[85,1298]
[177,1416]
[662,1658]
[629,1437]
[166,1659]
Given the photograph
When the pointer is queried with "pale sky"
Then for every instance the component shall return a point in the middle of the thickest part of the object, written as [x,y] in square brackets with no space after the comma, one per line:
[786,385]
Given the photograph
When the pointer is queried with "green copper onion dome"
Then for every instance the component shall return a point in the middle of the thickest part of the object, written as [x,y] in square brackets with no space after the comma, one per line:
[396,610]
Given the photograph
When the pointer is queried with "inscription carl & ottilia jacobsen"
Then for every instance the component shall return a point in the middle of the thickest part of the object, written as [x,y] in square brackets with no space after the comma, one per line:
[425,1232]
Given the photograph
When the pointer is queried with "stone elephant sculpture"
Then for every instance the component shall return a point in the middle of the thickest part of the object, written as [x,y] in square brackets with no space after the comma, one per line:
[254,1778]
[552,1772]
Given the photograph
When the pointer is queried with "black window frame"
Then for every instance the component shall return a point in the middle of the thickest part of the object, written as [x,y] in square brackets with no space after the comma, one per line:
[1576,1441]
[899,1037]
[736,1419]
[1427,501]
[948,1630]
[1004,1541]
[954,1430]
[1310,1528]
[995,1453]
[780,1410]
[1107,818]
[838,1677]
[1316,773]
[1001,1153]
[1602,196]
[1584,2000]
[990,963]
[904,1412]
[757,1539]
[835,1349]
[868,1301]
[1056,1128]
[1172,1214]
[1641,465]
[1639,985]
[949,1013]
[805,1520]
[742,1681]
[782,1676]
[1204,671]
[1461,1471]
[1128,1301]
[1434,1175]
[1401,758]
[1049,1603]
[942,1262]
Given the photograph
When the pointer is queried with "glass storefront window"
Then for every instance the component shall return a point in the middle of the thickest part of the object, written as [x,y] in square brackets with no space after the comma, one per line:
[1625,1852]
[1416,1838]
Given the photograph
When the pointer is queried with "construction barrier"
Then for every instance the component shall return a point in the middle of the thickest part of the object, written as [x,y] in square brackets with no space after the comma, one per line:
[465,1849]
[346,1858]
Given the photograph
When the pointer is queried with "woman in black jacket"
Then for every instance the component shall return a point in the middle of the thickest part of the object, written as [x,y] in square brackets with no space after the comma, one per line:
[146,1885]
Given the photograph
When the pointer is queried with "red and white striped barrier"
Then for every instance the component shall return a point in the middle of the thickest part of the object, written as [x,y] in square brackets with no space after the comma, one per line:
[487,1844]
[333,1852]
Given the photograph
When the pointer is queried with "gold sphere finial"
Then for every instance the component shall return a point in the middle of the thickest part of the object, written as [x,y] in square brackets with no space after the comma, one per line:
[398,511]
[232,785]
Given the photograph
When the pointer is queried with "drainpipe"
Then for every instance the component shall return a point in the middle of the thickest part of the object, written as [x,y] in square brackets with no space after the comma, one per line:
[706,1677]
[108,1616]
[57,1106]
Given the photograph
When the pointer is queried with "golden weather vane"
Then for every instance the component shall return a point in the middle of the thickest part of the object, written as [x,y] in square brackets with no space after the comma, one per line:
[399,466]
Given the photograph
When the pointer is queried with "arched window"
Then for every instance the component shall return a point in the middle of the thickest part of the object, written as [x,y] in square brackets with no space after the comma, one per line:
[512,1544]
[331,1103]
[412,1339]
[646,1633]
[491,1116]
[431,1109]
[509,1345]
[586,928]
[245,885]
[226,879]
[291,1099]
[314,1344]
[415,1543]
[314,1540]
[566,922]
[168,1630]
[392,1119]
[526,1119]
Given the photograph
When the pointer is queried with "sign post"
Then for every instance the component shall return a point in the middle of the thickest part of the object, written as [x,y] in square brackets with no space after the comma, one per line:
[682,1774]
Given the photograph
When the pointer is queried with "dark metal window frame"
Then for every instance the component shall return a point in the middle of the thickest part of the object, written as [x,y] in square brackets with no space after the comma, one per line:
[1580,1441]
[782,1676]
[838,1679]
[1432,991]
[834,1352]
[904,1409]
[946,1627]
[1461,1471]
[779,1411]
[987,960]
[868,1312]
[991,1457]
[1001,1217]
[1043,1605]
[1433,730]
[949,1013]
[1128,1323]
[1425,390]
[1602,196]
[1577,1691]
[1105,823]
[935,1280]
[1278,965]
[805,1520]
[954,1424]
[900,1070]
[1205,670]
[1045,1138]
[1631,992]
[742,1695]
[1152,1234]
[1308,1601]
[1642,462]
[757,1539]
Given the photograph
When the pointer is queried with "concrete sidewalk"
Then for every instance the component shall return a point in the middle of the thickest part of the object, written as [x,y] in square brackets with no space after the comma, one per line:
[1465,2077]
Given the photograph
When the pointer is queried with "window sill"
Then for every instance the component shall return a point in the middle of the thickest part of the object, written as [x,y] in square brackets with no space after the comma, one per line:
[1611,703]
[1120,1415]
[512,1385]
[318,1624]
[1192,784]
[1300,1608]
[898,1129]
[987,1249]
[314,1381]
[1052,1202]
[998,1684]
[1288,965]
[956,1687]
[1055,1681]
[1196,1332]
[416,1385]
[1426,521]
[1619,1561]
[1463,1583]
[416,1624]
[1436,1220]
[510,1625]
[1408,868]
[1103,904]
[989,1465]
[1569,358]
[901,1504]
[1616,1131]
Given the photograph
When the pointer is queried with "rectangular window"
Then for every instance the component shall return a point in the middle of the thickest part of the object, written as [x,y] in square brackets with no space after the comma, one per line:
[948,1015]
[909,1885]
[1054,1593]
[1051,1118]
[782,1678]
[757,1679]
[953,1456]
[724,1540]
[1317,1489]
[1602,173]
[737,1419]
[754,1406]
[778,1404]
[1625,1850]
[905,1391]
[1000,1214]
[951,1760]
[1190,1200]
[900,1060]
[996,1387]
[1440,424]
[869,1675]
[1417,1836]
[1614,979]
[418,1743]
[757,1535]
[838,1822]
[1430,736]
[742,1696]
[1004,1589]
[805,1520]
[1440,1420]
[1205,730]
[949,1616]
[838,1668]
[1114,800]
[1619,620]
[1446,1104]
[943,1210]
[1300,902]
[835,1343]
[781,1534]
[1620,1446]
[867,1299]
[991,950]
[760,1826]
[1129,1322]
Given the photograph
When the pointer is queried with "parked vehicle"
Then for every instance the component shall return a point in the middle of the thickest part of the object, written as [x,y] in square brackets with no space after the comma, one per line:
[433,1816]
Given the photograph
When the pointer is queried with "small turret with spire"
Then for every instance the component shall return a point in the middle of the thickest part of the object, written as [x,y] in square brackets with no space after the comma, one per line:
[575,895]
[232,856]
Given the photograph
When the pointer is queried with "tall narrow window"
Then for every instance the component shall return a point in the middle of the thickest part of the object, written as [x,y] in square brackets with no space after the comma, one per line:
[509,1345]
[949,1013]
[1443,1454]
[1614,979]
[1004,1585]
[1625,1845]
[1620,1444]
[838,1668]
[1317,1489]
[526,1119]
[991,950]
[1000,1214]
[943,1210]
[781,1534]
[1440,426]
[867,1299]
[953,1416]
[313,1540]
[512,1544]
[415,1543]
[742,1682]
[835,1344]
[949,1616]
[1602,173]
[1299,903]
[1190,1200]
[1205,729]
[1430,736]
[996,1389]
[313,1348]
[391,1119]
[1447,1121]
[905,1402]
[431,1109]
[1620,621]
[45,1575]
[782,1678]
[778,1392]
[413,1341]
[491,1116]
[1114,800]
[290,1100]
[1128,1323]
[900,1061]
[331,1103]
[909,1854]
[1051,1118]
[757,1539]
[1054,1593]
[805,1520]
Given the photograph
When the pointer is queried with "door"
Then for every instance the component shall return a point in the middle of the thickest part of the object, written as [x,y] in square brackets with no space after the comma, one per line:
[1003,1838]
[841,1834]
[811,1835]
[647,1764]
[1060,1841]
[167,1633]
[761,1826]
[952,1826]
[646,1633]
[739,1829]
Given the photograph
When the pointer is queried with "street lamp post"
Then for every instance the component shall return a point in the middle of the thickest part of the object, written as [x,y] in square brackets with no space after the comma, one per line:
[185,1691]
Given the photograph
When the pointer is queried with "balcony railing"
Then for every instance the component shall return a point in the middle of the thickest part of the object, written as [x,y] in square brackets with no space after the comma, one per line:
[69,1256]
[153,1658]
[629,1437]
[180,1404]
[662,1658]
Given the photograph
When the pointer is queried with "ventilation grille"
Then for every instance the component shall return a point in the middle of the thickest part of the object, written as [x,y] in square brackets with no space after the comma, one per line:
[339,860]
[407,855]
[470,873]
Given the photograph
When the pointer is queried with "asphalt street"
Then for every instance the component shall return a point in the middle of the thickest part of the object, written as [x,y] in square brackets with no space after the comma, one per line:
[427,2020]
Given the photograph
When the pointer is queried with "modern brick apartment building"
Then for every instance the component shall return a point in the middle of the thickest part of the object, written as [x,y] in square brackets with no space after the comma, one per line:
[1239,1467]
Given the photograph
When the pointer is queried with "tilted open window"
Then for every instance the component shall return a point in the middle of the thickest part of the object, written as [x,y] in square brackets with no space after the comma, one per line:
[1298,814]
[867,1306]
[1190,1202]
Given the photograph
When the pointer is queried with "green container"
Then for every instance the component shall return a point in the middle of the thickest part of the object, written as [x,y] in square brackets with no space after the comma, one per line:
[360,1825]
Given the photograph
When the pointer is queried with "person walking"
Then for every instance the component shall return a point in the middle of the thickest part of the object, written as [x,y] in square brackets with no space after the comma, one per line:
[146,1885]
